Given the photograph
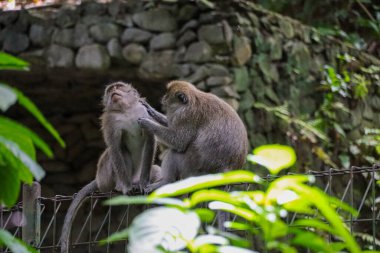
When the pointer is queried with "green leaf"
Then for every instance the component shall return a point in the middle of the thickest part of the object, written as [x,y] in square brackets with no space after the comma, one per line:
[315,223]
[118,236]
[205,214]
[212,195]
[274,157]
[9,62]
[233,249]
[7,97]
[144,200]
[9,185]
[36,170]
[8,159]
[207,181]
[209,239]
[14,244]
[32,108]
[11,126]
[311,241]
[234,240]
[240,211]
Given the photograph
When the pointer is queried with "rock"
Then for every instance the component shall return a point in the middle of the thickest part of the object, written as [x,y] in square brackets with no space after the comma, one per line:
[225,92]
[215,33]
[157,20]
[241,79]
[135,35]
[217,70]
[214,81]
[270,94]
[186,38]
[125,20]
[300,56]
[152,67]
[114,48]
[93,8]
[180,54]
[198,52]
[8,17]
[66,18]
[104,32]
[95,19]
[183,70]
[199,75]
[64,37]
[232,102]
[375,103]
[162,41]
[192,24]
[114,8]
[92,57]
[187,12]
[268,69]
[134,53]
[59,56]
[242,50]
[249,119]
[286,28]
[81,36]
[275,44]
[15,42]
[40,35]
[368,112]
[246,101]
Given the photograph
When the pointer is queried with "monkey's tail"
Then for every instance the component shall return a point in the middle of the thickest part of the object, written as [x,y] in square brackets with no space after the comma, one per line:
[71,213]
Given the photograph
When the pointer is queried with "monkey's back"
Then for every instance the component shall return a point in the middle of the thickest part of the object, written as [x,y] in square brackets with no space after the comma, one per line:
[222,134]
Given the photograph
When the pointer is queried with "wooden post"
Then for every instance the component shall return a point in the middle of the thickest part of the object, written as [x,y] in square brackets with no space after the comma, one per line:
[31,210]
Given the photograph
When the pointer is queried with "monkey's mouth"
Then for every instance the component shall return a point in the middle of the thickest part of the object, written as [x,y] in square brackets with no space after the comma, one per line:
[116,95]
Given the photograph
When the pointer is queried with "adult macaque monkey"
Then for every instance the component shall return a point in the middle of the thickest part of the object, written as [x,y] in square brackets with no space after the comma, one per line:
[128,158]
[204,134]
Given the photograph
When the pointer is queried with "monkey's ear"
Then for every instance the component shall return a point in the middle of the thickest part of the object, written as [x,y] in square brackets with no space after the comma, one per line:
[182,97]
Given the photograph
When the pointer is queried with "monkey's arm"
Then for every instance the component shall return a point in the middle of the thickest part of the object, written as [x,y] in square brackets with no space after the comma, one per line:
[176,139]
[147,157]
[159,117]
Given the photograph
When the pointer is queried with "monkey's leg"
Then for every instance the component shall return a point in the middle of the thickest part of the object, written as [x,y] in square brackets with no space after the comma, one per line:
[175,139]
[169,170]
[159,117]
[122,166]
[147,157]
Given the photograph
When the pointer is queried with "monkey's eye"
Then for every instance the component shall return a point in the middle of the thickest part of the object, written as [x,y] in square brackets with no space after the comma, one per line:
[181,97]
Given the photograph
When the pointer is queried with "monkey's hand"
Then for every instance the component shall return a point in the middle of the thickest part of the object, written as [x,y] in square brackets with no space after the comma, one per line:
[145,123]
[159,117]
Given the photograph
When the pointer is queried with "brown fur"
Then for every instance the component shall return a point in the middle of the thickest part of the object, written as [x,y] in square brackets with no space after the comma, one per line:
[204,134]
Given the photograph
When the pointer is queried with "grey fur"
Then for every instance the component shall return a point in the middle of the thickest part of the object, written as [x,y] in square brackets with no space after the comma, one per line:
[129,155]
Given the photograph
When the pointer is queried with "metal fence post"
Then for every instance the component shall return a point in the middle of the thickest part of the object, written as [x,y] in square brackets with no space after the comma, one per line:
[32,213]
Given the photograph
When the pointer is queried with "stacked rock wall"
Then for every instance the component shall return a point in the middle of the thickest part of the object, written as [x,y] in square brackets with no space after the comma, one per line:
[235,50]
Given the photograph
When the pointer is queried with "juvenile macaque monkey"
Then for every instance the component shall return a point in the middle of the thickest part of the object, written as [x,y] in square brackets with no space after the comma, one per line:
[204,134]
[128,158]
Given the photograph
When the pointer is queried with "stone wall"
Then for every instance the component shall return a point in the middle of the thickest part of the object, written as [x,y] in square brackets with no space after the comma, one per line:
[235,50]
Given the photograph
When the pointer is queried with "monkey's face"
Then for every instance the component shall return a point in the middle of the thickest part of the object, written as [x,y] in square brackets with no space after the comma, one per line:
[174,100]
[120,96]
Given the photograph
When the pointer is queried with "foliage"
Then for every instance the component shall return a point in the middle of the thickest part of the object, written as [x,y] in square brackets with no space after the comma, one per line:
[355,21]
[18,147]
[260,213]
[342,86]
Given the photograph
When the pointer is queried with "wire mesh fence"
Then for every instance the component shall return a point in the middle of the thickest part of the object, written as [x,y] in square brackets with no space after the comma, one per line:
[38,220]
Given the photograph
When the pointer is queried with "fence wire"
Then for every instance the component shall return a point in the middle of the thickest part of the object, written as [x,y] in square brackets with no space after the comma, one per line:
[94,221]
